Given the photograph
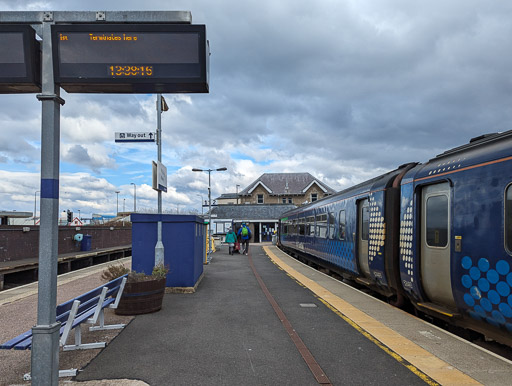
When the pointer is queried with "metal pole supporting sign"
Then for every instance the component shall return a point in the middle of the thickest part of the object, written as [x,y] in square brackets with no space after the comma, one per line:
[159,247]
[45,340]
[45,343]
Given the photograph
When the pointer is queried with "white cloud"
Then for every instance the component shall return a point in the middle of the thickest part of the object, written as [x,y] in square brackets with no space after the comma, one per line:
[344,91]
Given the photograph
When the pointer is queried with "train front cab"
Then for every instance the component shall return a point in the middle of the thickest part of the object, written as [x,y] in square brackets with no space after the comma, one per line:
[455,236]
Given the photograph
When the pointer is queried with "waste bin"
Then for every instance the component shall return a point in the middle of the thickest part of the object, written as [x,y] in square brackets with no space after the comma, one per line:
[86,243]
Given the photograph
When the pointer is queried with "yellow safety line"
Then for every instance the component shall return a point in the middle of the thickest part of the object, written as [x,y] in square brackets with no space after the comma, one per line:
[421,362]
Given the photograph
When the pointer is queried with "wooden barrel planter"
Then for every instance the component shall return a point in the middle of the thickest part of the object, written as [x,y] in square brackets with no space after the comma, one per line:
[141,297]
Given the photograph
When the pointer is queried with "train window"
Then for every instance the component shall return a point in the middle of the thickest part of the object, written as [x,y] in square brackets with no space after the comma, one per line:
[321,225]
[365,218]
[332,225]
[437,221]
[310,231]
[294,227]
[508,218]
[342,225]
[302,227]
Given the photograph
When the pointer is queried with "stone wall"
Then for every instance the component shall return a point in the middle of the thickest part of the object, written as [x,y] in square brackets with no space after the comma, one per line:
[17,242]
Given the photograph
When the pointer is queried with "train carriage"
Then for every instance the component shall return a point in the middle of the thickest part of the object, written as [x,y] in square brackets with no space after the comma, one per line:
[455,235]
[436,235]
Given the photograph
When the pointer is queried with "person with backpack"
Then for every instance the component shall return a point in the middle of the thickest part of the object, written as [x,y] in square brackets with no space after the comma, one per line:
[245,234]
[231,240]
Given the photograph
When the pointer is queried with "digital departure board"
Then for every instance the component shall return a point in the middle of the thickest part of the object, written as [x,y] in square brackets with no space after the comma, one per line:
[131,58]
[20,59]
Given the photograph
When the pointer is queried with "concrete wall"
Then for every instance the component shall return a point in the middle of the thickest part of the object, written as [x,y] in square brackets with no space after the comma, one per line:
[15,244]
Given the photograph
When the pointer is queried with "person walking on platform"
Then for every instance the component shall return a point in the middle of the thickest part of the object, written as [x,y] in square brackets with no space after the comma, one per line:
[245,234]
[231,240]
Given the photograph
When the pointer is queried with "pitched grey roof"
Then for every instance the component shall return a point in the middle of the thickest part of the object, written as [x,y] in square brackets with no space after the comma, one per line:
[251,211]
[225,196]
[285,184]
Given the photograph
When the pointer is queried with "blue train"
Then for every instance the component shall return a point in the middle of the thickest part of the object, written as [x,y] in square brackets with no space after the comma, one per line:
[436,235]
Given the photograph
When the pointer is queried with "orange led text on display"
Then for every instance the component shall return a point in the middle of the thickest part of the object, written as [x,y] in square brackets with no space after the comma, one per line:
[121,37]
[130,71]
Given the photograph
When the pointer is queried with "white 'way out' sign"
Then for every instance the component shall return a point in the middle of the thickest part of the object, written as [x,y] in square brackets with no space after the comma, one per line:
[136,137]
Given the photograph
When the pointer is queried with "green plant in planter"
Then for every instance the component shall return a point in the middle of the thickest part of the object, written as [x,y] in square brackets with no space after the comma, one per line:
[143,293]
[114,271]
[160,271]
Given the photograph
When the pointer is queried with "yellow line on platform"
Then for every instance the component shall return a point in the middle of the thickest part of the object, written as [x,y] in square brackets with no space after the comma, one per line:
[418,360]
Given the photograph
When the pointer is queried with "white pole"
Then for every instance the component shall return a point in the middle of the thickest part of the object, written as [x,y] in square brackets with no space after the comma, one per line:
[159,247]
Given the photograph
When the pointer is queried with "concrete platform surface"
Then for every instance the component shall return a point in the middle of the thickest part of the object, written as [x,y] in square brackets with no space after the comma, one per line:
[227,333]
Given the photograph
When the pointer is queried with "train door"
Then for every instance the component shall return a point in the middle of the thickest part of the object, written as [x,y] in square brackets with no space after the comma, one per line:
[435,243]
[363,213]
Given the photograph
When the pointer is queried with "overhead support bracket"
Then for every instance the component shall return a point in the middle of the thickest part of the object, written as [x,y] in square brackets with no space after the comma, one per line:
[52,97]
[48,16]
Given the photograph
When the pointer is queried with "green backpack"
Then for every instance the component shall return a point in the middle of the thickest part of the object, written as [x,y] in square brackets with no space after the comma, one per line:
[245,231]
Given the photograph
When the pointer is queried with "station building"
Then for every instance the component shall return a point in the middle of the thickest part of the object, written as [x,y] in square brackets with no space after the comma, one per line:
[262,202]
[285,188]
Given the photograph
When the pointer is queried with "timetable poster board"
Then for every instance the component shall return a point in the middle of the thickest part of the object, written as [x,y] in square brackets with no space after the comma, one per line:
[20,60]
[131,58]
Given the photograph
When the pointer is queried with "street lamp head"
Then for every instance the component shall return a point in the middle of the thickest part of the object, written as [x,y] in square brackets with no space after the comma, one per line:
[197,170]
[222,169]
[118,191]
[131,183]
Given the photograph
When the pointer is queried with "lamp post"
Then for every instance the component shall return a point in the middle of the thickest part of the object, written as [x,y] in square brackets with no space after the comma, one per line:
[117,209]
[200,195]
[209,205]
[134,197]
[35,205]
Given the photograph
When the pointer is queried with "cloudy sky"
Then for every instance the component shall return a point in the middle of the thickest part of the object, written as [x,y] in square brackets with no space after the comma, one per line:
[342,89]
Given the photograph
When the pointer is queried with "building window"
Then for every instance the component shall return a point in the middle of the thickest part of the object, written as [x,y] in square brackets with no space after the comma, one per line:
[290,201]
[284,200]
[314,197]
[260,198]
